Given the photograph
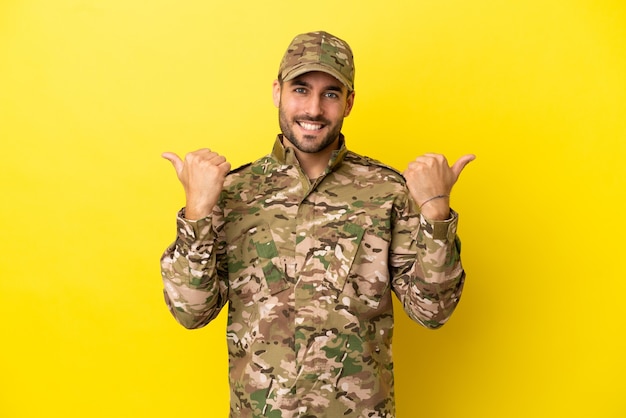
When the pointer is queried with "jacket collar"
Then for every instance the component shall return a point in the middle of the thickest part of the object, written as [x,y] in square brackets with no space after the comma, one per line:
[285,155]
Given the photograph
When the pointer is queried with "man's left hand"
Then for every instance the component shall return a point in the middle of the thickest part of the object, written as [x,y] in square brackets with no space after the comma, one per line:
[430,180]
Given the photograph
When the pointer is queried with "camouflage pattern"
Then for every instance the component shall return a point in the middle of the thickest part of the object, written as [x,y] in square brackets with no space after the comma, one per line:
[308,270]
[318,51]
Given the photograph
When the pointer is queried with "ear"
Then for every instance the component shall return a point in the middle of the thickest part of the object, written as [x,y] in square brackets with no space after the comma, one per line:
[349,104]
[276,93]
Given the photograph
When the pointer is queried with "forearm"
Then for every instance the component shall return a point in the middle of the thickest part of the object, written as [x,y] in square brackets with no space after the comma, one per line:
[189,268]
[431,288]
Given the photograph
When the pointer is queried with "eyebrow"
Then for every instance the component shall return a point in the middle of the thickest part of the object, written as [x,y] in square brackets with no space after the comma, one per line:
[330,87]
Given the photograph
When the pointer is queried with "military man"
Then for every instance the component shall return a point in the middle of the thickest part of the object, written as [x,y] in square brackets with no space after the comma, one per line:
[306,245]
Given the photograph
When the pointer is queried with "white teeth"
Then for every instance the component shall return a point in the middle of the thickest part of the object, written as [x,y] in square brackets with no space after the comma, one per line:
[310,126]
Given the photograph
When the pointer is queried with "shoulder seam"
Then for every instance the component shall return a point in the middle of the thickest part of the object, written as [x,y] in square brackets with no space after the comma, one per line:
[241,167]
[368,160]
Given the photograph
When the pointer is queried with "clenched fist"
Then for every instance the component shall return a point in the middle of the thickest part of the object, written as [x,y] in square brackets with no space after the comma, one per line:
[202,175]
[429,179]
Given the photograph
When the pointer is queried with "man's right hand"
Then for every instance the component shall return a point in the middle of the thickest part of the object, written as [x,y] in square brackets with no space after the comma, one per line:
[202,175]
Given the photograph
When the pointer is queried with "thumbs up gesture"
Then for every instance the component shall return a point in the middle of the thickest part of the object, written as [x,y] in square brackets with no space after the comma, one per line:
[202,174]
[429,179]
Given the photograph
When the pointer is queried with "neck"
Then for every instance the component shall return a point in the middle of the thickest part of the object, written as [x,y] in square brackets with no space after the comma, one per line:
[313,164]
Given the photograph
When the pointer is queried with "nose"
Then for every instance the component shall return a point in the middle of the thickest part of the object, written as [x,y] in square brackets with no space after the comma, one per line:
[313,106]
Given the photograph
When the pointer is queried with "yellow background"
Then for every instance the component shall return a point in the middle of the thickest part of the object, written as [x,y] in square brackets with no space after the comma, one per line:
[91,93]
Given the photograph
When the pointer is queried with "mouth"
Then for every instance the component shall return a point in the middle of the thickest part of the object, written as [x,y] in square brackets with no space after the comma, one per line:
[310,126]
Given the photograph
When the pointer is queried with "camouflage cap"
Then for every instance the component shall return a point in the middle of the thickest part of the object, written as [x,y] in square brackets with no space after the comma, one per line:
[318,51]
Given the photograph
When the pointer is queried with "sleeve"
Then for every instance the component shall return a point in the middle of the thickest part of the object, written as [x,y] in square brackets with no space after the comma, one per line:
[194,281]
[425,263]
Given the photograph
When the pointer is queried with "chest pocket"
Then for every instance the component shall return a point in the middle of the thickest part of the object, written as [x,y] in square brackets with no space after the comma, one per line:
[254,266]
[350,267]
[368,283]
[347,240]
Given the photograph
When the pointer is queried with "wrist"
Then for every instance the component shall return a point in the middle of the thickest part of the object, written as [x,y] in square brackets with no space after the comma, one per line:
[436,208]
[194,212]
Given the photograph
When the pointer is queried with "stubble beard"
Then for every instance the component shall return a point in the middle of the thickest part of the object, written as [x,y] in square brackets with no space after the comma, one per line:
[306,143]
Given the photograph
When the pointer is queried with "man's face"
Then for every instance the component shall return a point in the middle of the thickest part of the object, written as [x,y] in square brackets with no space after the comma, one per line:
[311,109]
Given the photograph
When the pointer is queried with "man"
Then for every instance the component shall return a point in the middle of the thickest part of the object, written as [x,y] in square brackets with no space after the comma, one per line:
[306,246]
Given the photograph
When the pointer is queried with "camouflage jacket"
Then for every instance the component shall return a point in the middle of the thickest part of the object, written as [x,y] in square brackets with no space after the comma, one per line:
[308,270]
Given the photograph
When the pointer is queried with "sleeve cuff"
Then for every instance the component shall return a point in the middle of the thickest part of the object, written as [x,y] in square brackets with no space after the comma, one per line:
[190,231]
[441,230]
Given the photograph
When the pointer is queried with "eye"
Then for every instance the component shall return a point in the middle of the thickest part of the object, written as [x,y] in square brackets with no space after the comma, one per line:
[331,95]
[300,90]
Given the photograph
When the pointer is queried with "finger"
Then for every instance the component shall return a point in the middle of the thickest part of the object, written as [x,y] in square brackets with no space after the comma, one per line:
[430,160]
[175,160]
[224,167]
[460,164]
[216,159]
[433,155]
[436,157]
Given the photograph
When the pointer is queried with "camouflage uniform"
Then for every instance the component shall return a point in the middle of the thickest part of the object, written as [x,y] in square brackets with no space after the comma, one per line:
[307,269]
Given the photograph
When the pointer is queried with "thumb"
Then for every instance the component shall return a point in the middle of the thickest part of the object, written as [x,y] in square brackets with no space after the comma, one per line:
[175,160]
[460,164]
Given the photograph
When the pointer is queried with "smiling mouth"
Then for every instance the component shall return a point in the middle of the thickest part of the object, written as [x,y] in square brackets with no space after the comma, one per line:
[310,126]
